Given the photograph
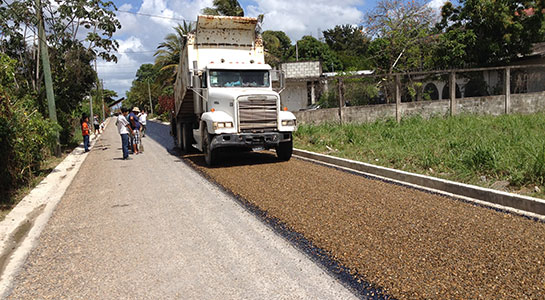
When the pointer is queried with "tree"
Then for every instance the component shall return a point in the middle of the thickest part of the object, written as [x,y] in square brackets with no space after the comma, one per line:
[73,80]
[350,44]
[64,20]
[277,45]
[138,94]
[312,49]
[346,37]
[147,72]
[77,32]
[487,32]
[224,8]
[168,52]
[400,28]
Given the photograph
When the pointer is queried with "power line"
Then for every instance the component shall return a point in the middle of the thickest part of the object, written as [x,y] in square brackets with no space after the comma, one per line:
[153,16]
[130,52]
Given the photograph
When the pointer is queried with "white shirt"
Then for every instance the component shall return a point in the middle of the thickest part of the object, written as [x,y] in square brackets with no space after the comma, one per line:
[122,124]
[142,118]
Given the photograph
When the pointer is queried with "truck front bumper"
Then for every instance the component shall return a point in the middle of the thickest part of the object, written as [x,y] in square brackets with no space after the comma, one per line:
[265,140]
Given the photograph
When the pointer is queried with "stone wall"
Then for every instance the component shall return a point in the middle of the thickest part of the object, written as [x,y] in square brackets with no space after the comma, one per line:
[493,105]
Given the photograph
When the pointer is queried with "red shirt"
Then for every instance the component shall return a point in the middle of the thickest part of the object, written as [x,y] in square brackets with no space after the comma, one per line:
[84,128]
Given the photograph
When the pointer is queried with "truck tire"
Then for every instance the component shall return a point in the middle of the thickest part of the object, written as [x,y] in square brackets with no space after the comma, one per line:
[284,150]
[173,130]
[187,137]
[178,135]
[210,156]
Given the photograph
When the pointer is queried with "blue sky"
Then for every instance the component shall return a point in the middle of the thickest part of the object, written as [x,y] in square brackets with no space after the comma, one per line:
[140,35]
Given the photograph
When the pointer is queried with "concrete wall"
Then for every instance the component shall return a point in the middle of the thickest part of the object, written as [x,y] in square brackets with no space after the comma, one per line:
[318,116]
[494,105]
[528,103]
[294,96]
[302,69]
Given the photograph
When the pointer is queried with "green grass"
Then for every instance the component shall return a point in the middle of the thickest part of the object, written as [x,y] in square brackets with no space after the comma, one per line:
[489,151]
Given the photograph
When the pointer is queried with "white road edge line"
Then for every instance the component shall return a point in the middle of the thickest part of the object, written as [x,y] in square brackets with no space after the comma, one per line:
[47,193]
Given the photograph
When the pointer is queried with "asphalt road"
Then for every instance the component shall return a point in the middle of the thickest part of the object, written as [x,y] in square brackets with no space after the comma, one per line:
[153,228]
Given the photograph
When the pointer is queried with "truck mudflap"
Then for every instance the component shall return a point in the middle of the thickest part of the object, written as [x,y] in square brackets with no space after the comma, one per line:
[266,140]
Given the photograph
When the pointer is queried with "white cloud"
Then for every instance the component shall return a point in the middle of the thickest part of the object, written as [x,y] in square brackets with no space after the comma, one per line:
[142,34]
[436,4]
[306,17]
[118,76]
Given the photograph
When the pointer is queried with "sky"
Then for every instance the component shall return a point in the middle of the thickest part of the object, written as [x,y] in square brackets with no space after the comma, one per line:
[140,34]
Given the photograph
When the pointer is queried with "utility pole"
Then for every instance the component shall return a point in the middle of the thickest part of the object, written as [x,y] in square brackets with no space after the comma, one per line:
[102,96]
[47,73]
[150,103]
[296,52]
[98,86]
[90,106]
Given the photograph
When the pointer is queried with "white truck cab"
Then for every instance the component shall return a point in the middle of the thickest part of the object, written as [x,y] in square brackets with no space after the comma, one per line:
[227,99]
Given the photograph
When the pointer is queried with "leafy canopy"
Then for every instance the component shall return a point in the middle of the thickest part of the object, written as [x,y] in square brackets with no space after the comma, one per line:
[488,32]
[224,8]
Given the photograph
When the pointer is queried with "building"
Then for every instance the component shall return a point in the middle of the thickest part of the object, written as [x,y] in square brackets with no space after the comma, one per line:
[301,85]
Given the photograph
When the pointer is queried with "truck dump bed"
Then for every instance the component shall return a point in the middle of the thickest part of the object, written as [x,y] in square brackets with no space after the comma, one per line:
[216,40]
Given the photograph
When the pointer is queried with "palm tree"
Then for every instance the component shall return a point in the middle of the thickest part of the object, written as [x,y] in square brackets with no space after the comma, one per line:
[168,52]
[224,8]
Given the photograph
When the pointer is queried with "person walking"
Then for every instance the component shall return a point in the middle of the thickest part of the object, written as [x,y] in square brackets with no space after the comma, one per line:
[135,126]
[85,132]
[143,118]
[96,125]
[124,129]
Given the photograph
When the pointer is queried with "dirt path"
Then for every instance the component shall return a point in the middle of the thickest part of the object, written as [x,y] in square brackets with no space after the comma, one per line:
[153,228]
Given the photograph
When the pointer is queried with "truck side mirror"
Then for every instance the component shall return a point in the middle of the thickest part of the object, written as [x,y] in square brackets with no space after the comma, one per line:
[278,80]
[191,82]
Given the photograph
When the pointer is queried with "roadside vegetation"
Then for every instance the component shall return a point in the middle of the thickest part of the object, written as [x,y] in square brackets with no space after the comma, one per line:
[76,34]
[504,152]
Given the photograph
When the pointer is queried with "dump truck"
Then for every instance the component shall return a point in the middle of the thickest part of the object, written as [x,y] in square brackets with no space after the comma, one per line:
[224,95]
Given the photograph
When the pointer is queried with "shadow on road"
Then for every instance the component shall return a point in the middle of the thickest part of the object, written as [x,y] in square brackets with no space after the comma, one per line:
[227,157]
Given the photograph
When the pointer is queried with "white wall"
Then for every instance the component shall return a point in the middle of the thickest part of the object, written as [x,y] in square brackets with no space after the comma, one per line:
[294,96]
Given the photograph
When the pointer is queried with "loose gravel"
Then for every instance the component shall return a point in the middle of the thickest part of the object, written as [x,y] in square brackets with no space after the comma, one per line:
[411,243]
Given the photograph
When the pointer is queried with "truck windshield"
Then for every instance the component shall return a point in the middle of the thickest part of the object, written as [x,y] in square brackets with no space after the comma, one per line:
[237,78]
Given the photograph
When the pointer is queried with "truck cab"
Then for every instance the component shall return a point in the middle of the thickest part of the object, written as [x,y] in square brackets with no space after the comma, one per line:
[226,99]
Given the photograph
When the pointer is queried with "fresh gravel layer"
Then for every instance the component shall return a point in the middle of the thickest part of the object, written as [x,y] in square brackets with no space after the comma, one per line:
[411,243]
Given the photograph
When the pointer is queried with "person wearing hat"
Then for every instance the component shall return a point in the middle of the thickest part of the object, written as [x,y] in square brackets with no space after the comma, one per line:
[135,126]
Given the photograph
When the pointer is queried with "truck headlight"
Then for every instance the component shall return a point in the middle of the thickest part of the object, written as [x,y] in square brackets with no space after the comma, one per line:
[218,125]
[288,122]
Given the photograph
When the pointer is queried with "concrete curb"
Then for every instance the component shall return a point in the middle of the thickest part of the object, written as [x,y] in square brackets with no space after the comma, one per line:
[530,206]
[21,228]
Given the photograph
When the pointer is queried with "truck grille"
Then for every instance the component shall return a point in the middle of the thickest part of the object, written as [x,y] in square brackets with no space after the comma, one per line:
[257,113]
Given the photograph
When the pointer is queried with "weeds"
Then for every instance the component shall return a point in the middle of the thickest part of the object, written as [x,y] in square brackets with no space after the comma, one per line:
[466,148]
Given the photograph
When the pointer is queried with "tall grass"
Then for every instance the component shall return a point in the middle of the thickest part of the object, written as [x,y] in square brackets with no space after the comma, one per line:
[468,148]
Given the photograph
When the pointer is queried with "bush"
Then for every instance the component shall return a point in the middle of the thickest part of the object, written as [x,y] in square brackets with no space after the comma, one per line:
[26,137]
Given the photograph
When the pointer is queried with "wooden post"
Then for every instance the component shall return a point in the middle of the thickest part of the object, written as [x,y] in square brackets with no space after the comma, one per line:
[507,89]
[341,100]
[452,93]
[398,98]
